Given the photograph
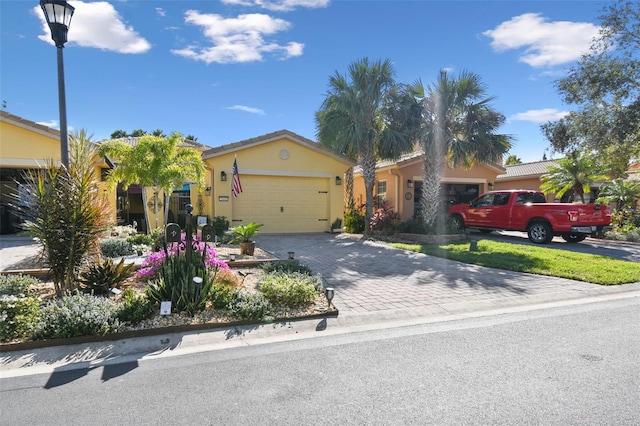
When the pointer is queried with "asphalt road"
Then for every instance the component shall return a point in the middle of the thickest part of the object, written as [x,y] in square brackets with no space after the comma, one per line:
[570,365]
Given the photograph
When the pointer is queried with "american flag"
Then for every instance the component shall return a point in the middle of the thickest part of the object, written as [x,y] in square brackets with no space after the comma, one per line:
[236,186]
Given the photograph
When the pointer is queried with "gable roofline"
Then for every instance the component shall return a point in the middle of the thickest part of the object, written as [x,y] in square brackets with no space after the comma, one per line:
[418,156]
[29,125]
[273,136]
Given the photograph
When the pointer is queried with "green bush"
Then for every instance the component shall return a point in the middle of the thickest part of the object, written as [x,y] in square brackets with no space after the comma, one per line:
[411,226]
[221,226]
[18,284]
[288,266]
[18,314]
[77,315]
[101,277]
[354,223]
[222,295]
[250,305]
[141,239]
[135,308]
[116,247]
[292,290]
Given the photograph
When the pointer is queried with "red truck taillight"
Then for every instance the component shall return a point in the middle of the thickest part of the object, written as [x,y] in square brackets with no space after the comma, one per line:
[573,216]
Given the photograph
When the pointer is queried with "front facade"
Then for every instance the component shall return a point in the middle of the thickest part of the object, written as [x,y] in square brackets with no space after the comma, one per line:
[289,183]
[400,183]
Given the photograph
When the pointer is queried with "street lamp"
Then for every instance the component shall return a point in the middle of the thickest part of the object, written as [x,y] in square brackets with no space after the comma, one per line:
[58,14]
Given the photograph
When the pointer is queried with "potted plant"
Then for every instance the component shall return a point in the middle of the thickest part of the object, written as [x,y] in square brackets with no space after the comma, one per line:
[242,234]
[336,226]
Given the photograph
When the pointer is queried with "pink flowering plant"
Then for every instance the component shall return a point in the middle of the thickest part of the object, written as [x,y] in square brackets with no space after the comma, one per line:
[185,279]
[383,218]
[149,269]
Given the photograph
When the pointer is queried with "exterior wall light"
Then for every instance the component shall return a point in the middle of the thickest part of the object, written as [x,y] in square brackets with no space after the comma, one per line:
[490,185]
[207,191]
[223,176]
[338,180]
[409,183]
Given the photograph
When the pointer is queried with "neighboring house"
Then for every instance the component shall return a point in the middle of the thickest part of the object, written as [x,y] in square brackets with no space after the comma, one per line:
[400,183]
[25,145]
[289,183]
[525,176]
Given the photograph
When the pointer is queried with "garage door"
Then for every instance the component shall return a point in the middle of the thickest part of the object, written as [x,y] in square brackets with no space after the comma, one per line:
[283,204]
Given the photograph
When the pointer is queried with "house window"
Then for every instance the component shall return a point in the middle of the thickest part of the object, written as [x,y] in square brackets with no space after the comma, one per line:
[382,189]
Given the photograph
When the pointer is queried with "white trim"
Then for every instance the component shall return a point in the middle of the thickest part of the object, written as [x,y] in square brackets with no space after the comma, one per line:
[289,173]
[23,162]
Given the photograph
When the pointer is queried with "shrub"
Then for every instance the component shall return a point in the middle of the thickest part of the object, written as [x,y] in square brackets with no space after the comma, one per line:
[18,284]
[221,226]
[116,247]
[354,223]
[101,277]
[291,290]
[288,266]
[135,308]
[151,266]
[411,226]
[248,305]
[227,277]
[221,295]
[18,314]
[141,239]
[383,218]
[122,231]
[77,315]
[176,282]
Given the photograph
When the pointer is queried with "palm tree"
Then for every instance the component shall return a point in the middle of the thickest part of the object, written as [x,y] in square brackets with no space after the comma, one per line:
[457,127]
[360,118]
[576,171]
[512,160]
[625,193]
[118,134]
[154,162]
[159,133]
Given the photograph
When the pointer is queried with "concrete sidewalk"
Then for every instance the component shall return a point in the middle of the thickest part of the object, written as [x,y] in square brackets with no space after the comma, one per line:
[376,286]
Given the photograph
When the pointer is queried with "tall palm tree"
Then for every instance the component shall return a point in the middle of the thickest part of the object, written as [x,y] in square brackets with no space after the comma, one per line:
[360,117]
[576,171]
[458,127]
[154,162]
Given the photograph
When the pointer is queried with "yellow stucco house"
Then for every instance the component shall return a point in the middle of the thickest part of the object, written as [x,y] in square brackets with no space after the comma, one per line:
[289,183]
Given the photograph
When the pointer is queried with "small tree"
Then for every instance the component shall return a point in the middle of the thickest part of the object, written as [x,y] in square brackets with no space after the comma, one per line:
[154,162]
[577,172]
[624,193]
[66,214]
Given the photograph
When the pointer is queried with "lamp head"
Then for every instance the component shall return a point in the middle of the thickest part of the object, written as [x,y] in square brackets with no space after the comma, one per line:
[58,14]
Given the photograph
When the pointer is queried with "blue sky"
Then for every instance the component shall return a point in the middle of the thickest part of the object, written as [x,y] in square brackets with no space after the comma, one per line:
[230,70]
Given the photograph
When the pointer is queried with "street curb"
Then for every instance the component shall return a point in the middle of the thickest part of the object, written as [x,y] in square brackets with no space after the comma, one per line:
[132,334]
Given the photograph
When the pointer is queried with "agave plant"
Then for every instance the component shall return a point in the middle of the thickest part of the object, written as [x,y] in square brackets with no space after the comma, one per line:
[103,276]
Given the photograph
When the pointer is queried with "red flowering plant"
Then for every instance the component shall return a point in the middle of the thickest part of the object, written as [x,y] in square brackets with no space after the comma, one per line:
[383,217]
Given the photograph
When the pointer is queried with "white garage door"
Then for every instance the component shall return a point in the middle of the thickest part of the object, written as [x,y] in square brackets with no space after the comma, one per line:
[283,204]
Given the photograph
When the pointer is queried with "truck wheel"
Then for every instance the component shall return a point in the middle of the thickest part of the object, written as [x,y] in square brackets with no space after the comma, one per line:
[540,232]
[574,238]
[456,223]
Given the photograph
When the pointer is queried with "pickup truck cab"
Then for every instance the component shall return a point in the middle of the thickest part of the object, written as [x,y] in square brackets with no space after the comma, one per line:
[528,211]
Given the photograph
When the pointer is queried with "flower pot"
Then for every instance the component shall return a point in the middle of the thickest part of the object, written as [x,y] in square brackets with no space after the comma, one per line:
[247,247]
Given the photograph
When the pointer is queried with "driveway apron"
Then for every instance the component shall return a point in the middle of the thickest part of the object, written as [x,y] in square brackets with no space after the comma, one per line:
[370,276]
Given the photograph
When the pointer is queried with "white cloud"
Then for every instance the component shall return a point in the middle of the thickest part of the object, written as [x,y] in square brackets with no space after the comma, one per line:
[161,12]
[279,5]
[53,124]
[539,115]
[98,25]
[545,43]
[238,39]
[247,109]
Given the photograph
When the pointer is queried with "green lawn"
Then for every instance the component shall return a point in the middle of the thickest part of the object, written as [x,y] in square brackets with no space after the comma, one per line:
[536,260]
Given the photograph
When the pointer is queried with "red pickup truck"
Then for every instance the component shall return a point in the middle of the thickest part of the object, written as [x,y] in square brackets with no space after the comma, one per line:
[528,211]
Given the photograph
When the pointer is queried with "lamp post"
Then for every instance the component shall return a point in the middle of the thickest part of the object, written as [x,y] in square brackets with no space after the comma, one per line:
[58,14]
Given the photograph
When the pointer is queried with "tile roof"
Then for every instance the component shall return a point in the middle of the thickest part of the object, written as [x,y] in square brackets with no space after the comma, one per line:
[31,125]
[269,137]
[519,171]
